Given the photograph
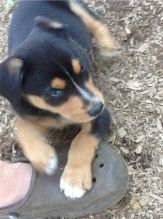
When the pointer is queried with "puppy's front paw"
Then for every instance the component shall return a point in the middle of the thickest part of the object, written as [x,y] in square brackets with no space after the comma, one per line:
[107,46]
[76,181]
[45,161]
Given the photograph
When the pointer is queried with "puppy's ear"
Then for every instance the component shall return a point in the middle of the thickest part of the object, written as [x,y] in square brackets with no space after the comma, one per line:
[11,76]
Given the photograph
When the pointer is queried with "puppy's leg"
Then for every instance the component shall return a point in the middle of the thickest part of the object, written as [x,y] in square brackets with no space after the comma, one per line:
[99,31]
[31,138]
[77,175]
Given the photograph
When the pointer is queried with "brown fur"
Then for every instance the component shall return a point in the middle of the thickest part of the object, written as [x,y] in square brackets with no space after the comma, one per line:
[31,138]
[58,83]
[31,130]
[49,122]
[90,85]
[78,169]
[73,109]
[98,29]
[76,66]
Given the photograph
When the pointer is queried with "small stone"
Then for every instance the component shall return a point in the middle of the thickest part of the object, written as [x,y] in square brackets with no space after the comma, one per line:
[143,48]
[138,150]
[122,132]
[124,150]
[161,160]
[128,31]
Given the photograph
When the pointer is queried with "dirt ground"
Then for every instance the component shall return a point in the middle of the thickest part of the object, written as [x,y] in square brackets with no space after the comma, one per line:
[132,84]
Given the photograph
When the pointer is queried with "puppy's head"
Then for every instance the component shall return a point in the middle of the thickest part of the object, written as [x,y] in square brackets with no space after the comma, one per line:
[51,74]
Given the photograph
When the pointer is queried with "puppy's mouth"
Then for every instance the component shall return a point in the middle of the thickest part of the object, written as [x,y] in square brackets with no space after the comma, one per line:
[88,115]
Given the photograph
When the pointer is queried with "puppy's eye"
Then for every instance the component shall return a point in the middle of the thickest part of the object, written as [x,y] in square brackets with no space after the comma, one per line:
[57,93]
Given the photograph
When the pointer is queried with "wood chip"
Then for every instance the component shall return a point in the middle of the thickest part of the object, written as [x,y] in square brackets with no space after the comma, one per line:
[156,197]
[144,200]
[138,150]
[128,31]
[143,48]
[161,160]
[159,125]
[134,85]
[124,150]
[122,132]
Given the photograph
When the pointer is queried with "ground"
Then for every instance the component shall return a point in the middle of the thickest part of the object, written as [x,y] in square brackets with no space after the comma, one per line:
[132,84]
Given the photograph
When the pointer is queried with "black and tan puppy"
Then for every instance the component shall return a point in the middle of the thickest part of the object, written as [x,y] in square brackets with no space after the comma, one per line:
[47,80]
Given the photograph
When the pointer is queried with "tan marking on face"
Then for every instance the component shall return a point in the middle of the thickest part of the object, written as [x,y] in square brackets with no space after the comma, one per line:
[31,138]
[58,83]
[48,122]
[77,172]
[73,109]
[76,66]
[14,65]
[90,85]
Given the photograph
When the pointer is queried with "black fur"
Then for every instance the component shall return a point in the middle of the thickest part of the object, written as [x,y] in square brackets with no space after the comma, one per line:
[47,53]
[101,125]
[11,83]
[53,10]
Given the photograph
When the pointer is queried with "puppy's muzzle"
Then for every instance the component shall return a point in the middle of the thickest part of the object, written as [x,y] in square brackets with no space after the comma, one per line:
[95,108]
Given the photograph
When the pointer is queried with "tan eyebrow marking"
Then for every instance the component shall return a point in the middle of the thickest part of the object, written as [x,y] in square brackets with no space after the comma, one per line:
[58,83]
[76,66]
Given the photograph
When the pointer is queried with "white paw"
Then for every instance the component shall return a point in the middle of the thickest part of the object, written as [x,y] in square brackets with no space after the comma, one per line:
[52,165]
[72,192]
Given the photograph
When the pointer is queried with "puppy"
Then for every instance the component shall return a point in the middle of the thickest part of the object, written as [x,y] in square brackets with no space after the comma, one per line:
[47,80]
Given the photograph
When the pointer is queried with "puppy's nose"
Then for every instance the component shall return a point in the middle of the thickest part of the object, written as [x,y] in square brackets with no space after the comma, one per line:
[96,108]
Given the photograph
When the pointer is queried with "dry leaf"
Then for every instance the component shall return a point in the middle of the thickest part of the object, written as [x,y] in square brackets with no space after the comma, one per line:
[135,204]
[134,85]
